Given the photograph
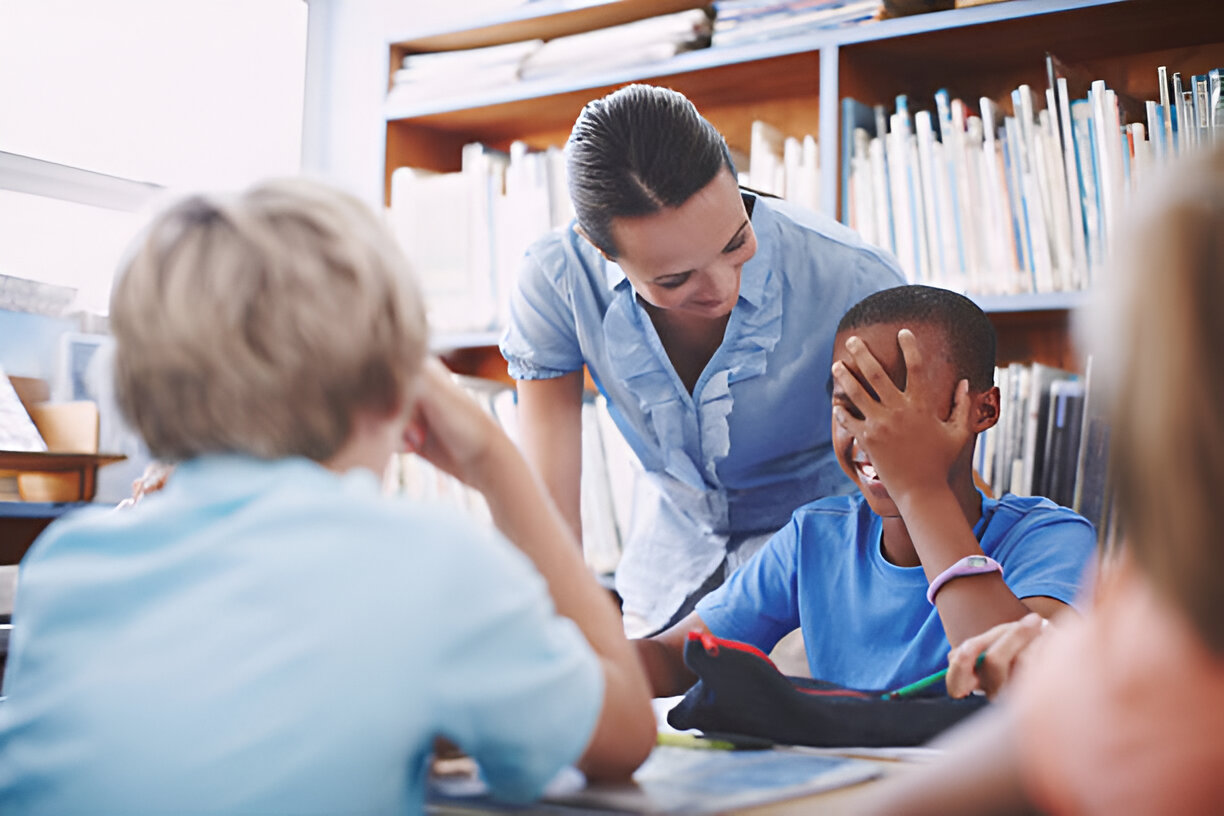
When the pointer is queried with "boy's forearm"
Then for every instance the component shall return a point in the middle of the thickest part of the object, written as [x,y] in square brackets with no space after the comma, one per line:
[664,666]
[941,535]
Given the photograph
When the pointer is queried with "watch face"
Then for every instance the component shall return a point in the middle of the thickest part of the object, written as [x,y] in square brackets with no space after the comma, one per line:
[976,560]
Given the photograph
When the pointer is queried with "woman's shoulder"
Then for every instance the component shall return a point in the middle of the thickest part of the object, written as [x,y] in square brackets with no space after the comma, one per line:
[822,241]
[562,251]
[801,223]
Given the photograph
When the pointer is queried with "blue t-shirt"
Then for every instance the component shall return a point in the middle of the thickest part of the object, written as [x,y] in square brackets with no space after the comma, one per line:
[866,622]
[271,637]
[727,464]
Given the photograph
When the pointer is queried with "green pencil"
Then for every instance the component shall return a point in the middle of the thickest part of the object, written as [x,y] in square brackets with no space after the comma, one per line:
[919,685]
[693,741]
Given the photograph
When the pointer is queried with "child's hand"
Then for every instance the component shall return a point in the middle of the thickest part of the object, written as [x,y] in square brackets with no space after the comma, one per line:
[909,435]
[152,480]
[1007,647]
[449,430]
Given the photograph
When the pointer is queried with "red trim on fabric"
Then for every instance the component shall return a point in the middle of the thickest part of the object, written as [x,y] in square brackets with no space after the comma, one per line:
[862,695]
[712,643]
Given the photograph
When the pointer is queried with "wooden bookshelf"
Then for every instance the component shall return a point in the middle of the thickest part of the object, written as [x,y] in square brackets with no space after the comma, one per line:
[796,83]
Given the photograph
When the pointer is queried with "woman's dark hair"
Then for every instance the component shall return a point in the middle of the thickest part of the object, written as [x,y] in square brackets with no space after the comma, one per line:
[636,151]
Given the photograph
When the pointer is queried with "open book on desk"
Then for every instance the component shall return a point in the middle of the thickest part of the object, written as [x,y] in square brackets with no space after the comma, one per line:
[674,781]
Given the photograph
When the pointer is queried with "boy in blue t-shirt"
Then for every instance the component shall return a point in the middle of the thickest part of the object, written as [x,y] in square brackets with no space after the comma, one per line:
[883,582]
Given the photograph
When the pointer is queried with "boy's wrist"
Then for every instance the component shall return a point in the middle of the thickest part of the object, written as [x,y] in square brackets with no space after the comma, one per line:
[969,565]
[922,497]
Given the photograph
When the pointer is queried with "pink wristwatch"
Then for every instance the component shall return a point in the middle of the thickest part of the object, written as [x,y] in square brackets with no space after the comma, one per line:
[969,565]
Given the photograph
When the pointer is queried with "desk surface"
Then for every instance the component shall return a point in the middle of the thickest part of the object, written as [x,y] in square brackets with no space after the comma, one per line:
[840,801]
[837,802]
[54,462]
[22,522]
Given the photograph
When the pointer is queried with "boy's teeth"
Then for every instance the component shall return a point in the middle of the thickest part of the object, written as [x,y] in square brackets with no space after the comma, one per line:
[868,470]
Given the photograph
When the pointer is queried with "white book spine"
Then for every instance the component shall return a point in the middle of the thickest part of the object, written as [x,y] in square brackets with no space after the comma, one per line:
[975,217]
[933,216]
[918,212]
[964,203]
[1075,210]
[1109,166]
[1056,200]
[1015,187]
[880,195]
[897,145]
[1003,263]
[862,213]
[1038,216]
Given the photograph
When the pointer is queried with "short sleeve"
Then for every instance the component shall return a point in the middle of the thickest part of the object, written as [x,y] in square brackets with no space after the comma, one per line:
[1048,553]
[521,688]
[541,340]
[759,603]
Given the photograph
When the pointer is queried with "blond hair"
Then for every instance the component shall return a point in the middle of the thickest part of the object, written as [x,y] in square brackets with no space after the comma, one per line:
[261,323]
[1159,326]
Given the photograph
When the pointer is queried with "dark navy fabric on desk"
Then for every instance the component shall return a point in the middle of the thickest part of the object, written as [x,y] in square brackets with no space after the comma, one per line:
[741,692]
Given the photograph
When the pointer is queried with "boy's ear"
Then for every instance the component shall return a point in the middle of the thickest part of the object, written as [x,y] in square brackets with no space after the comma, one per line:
[984,413]
[578,229]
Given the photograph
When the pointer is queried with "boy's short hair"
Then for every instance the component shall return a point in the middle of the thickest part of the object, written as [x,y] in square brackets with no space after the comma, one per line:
[968,331]
[260,323]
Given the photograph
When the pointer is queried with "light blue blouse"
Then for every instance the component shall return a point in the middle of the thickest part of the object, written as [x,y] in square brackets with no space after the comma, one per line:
[731,461]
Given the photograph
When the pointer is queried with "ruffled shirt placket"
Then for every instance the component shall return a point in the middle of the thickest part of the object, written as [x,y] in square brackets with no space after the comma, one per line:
[692,432]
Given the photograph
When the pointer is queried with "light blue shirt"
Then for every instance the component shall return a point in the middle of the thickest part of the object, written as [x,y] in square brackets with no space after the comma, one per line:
[270,637]
[866,622]
[733,460]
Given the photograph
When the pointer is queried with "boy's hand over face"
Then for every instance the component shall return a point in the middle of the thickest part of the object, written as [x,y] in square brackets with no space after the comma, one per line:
[449,429]
[909,434]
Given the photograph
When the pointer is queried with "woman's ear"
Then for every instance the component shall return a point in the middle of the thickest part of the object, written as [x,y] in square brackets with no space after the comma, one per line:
[985,410]
[578,229]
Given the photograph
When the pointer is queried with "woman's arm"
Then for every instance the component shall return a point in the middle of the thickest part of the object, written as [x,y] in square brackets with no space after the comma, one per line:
[550,424]
[662,657]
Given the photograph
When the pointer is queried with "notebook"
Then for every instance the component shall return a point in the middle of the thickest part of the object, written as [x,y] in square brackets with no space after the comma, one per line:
[673,781]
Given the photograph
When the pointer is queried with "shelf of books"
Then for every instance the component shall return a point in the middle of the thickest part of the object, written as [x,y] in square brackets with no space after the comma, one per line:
[992,149]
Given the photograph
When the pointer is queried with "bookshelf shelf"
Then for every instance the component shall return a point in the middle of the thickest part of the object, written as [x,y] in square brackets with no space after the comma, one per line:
[1034,302]
[543,19]
[797,83]
[454,341]
[776,72]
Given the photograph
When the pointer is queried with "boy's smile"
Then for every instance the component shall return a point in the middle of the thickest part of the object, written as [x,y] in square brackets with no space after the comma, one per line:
[881,341]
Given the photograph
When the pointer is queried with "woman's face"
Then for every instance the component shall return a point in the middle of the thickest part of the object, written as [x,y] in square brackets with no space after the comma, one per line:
[688,258]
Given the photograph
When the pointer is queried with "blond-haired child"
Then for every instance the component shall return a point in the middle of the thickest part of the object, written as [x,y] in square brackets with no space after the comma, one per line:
[268,633]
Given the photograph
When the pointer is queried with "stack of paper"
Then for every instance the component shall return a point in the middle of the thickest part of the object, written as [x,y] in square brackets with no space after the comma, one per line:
[743,21]
[442,73]
[636,43]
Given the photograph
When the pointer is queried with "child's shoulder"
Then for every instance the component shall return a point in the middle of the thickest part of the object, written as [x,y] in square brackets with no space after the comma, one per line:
[1014,519]
[1012,509]
[844,505]
[831,512]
